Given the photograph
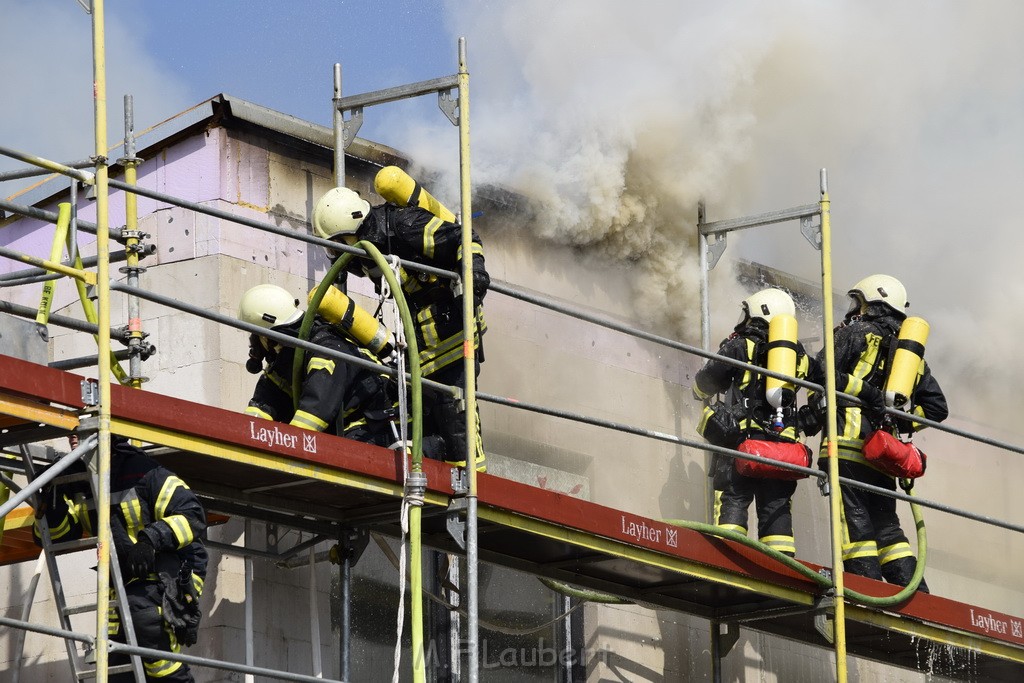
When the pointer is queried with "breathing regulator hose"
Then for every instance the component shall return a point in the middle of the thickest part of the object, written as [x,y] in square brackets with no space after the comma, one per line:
[872,601]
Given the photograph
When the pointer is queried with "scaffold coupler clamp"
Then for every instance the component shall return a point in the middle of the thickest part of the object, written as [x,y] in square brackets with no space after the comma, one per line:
[457,288]
[824,615]
[454,519]
[415,488]
[457,505]
[460,398]
[824,487]
[90,392]
[460,482]
[350,547]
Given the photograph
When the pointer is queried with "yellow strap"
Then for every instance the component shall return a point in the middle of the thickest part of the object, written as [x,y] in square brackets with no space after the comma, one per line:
[5,493]
[90,315]
[59,238]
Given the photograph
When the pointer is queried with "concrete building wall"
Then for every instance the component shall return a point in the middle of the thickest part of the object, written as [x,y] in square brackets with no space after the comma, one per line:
[531,354]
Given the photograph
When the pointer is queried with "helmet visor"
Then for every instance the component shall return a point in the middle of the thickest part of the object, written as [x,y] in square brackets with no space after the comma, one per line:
[856,305]
[744,315]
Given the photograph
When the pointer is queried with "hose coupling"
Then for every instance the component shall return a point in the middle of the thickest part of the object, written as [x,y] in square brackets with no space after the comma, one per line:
[415,488]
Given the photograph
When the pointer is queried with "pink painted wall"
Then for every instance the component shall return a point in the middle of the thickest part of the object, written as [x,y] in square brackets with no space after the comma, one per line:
[190,170]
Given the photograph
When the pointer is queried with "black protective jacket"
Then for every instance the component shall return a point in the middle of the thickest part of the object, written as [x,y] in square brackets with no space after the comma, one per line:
[147,500]
[335,397]
[864,347]
[415,234]
[745,390]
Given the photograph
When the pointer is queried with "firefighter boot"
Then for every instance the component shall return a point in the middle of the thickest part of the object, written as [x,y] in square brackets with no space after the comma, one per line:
[864,566]
[900,572]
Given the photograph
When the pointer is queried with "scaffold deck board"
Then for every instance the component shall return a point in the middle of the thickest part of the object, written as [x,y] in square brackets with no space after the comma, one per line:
[274,472]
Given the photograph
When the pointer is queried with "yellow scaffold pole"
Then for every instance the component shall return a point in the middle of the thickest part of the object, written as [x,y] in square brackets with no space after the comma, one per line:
[835,501]
[103,343]
[131,232]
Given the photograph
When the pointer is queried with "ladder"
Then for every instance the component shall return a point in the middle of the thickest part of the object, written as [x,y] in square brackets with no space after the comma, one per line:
[82,663]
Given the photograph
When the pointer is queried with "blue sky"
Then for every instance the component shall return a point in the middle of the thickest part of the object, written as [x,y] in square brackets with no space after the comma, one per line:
[170,55]
[280,54]
[615,118]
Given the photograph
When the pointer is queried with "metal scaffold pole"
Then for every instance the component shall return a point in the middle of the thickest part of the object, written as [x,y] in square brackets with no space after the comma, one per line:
[705,339]
[103,343]
[709,458]
[131,233]
[345,577]
[339,131]
[469,358]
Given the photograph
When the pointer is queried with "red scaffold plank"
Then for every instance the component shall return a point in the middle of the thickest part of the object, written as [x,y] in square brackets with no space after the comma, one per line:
[193,420]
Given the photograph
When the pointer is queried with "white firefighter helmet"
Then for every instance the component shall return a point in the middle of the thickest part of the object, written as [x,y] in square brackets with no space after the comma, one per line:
[881,288]
[339,212]
[767,304]
[269,306]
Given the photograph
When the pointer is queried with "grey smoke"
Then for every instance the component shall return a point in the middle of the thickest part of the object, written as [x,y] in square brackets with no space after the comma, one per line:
[616,117]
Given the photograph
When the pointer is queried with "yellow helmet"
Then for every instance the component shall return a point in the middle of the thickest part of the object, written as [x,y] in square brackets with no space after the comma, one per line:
[269,306]
[339,212]
[880,288]
[767,304]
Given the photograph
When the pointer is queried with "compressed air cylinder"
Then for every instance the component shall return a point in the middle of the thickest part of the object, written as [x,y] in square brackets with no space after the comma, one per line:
[905,362]
[782,332]
[341,311]
[395,185]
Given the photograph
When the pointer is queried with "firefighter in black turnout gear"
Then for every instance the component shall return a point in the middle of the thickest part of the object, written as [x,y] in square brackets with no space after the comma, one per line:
[874,545]
[746,414]
[414,234]
[336,397]
[158,528]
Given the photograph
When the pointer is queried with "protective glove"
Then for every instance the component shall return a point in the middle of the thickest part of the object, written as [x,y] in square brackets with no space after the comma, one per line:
[874,404]
[44,503]
[481,281]
[254,364]
[903,425]
[138,560]
[181,605]
[808,421]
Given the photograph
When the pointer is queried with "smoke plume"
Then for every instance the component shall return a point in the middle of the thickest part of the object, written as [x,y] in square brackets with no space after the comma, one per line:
[616,118]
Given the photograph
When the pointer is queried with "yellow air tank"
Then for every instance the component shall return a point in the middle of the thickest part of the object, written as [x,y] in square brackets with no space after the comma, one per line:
[782,333]
[906,361]
[395,185]
[342,312]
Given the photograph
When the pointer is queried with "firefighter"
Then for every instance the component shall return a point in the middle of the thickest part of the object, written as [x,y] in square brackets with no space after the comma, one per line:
[158,529]
[336,397]
[865,342]
[746,413]
[414,234]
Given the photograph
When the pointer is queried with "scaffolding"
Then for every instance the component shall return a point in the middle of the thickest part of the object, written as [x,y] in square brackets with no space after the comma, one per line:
[692,568]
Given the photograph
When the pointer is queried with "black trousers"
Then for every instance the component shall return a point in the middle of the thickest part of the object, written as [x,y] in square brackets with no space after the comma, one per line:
[145,602]
[446,419]
[774,498]
[874,545]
